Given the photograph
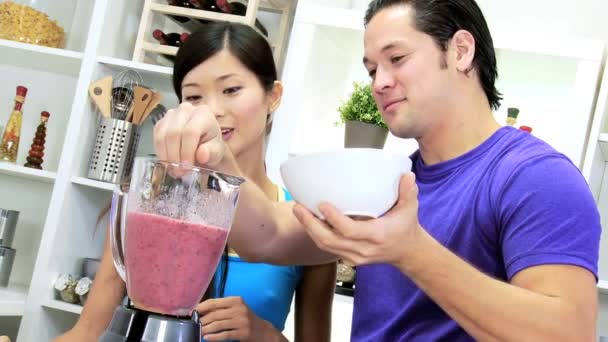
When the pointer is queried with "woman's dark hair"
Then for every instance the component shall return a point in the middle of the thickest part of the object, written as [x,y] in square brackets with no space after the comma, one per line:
[253,51]
[441,19]
[243,42]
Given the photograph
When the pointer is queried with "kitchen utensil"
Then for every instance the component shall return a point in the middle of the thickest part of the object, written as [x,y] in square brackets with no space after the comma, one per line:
[114,150]
[8,224]
[7,256]
[168,233]
[123,92]
[360,189]
[101,92]
[131,324]
[142,99]
[156,100]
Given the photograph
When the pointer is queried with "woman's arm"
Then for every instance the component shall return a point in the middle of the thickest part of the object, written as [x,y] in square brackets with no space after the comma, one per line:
[107,292]
[314,298]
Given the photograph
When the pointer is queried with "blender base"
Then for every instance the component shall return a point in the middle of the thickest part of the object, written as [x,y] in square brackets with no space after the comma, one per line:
[132,325]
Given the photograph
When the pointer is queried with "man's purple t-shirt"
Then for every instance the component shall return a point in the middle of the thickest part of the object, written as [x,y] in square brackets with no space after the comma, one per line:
[511,203]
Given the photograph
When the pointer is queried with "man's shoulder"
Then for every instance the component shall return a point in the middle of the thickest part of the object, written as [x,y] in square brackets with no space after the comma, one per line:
[523,152]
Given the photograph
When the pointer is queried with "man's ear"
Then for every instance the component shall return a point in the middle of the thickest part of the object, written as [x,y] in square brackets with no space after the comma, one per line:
[463,44]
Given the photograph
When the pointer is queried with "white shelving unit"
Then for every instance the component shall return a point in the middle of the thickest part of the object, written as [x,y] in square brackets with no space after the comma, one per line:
[62,306]
[59,206]
[12,300]
[28,173]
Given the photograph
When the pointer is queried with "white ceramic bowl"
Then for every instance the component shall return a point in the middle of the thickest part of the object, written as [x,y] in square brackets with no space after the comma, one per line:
[357,181]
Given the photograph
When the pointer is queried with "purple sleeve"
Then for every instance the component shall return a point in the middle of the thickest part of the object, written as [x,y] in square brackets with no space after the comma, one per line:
[547,215]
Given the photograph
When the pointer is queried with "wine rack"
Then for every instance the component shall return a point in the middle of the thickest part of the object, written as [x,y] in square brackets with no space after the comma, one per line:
[284,8]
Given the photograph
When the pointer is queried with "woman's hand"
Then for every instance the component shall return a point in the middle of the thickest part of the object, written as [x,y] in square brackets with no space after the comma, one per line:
[4,339]
[189,134]
[231,319]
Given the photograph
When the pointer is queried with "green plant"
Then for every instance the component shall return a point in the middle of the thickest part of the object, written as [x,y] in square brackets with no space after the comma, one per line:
[361,106]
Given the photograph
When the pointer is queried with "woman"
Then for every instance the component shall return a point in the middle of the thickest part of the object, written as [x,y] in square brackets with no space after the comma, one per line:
[229,67]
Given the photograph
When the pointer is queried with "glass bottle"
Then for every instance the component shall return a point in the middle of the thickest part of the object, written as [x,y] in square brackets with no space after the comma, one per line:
[36,153]
[512,114]
[10,139]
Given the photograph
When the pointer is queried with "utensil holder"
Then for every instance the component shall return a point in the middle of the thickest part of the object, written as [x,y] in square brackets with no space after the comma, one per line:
[114,150]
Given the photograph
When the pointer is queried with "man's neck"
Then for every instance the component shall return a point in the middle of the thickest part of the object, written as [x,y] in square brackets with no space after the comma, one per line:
[462,130]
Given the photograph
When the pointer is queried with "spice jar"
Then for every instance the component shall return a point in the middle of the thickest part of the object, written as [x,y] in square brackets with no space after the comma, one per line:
[66,285]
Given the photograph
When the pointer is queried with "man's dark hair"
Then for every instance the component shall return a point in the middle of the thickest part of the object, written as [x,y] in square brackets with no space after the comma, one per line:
[441,19]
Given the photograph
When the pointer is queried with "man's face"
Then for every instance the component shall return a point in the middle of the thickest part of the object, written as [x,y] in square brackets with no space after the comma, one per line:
[410,78]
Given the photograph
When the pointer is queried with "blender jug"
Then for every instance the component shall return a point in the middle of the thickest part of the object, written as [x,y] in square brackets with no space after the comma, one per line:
[169,231]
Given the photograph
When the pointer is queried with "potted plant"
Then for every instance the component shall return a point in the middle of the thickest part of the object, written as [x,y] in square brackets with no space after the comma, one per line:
[364,126]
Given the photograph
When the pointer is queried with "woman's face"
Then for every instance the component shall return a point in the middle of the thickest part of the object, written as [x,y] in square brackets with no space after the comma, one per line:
[237,98]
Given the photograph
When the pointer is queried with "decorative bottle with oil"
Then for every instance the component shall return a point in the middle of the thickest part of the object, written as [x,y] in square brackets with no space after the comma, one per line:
[9,146]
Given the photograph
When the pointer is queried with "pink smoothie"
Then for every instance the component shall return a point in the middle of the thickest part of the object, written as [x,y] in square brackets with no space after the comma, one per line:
[170,262]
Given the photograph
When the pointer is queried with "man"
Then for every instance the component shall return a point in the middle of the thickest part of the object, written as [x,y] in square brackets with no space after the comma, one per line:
[497,238]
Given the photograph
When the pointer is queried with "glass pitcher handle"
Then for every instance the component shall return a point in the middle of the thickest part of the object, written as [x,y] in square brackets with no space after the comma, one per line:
[118,215]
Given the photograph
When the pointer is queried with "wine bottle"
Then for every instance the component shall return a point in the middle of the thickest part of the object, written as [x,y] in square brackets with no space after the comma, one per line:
[181,3]
[184,36]
[171,39]
[238,8]
[207,5]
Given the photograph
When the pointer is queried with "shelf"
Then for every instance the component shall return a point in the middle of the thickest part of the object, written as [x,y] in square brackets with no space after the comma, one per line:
[162,49]
[154,76]
[12,300]
[195,13]
[26,172]
[41,58]
[62,306]
[93,183]
[603,142]
[602,286]
[554,45]
[140,67]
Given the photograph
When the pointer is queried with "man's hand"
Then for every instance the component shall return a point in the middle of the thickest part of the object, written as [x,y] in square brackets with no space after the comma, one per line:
[381,240]
[189,135]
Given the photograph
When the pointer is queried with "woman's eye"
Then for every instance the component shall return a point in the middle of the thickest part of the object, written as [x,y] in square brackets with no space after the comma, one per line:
[372,73]
[193,98]
[396,59]
[231,90]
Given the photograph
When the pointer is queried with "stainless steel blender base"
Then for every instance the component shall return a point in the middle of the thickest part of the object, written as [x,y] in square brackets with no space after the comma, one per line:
[130,325]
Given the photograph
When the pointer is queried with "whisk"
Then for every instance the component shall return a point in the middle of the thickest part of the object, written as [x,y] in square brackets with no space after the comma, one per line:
[122,93]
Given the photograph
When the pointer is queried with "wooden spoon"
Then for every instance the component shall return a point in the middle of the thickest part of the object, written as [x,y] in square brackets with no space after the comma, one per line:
[156,100]
[101,93]
[142,99]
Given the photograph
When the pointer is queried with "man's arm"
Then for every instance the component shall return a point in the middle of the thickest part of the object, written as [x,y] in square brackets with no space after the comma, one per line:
[549,302]
[556,226]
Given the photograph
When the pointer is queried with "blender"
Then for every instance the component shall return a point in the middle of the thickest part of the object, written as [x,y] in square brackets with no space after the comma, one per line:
[168,232]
